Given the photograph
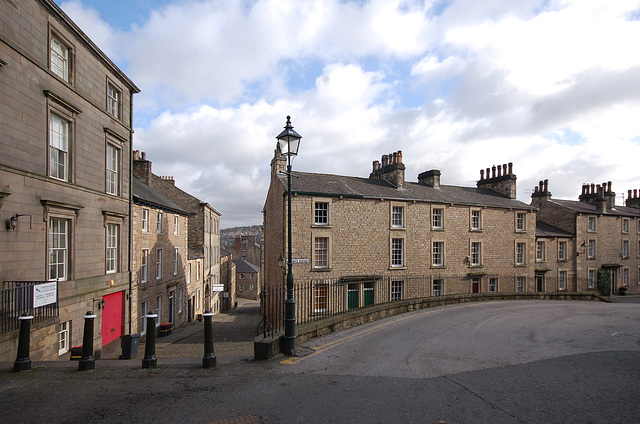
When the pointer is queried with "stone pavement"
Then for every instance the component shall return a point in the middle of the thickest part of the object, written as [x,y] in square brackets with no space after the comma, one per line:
[233,334]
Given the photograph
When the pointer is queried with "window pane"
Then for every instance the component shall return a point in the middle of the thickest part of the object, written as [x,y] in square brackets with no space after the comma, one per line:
[321,252]
[322,213]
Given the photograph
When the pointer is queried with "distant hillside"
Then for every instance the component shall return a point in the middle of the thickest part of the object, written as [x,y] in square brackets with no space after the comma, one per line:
[228,235]
[241,231]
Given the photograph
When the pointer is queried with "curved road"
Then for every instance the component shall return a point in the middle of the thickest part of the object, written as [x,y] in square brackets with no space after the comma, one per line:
[499,362]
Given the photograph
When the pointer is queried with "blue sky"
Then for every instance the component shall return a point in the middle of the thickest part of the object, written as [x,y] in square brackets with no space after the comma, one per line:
[457,85]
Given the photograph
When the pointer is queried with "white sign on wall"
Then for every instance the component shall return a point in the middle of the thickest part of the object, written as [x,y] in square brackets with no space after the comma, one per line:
[45,294]
[217,287]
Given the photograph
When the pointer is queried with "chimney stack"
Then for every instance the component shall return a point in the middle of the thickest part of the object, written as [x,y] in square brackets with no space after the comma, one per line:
[540,193]
[499,179]
[142,167]
[430,178]
[591,193]
[392,169]
[633,201]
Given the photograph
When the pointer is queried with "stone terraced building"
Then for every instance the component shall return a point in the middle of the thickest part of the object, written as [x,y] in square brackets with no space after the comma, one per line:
[65,137]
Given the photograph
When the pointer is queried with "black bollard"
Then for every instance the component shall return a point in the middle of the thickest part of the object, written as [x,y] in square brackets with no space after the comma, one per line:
[150,360]
[209,359]
[87,362]
[23,362]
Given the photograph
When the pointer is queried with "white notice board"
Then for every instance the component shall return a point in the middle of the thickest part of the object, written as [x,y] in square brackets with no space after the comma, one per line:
[45,294]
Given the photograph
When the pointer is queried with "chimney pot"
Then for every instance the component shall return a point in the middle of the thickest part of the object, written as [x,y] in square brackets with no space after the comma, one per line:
[635,193]
[609,186]
[504,169]
[546,185]
[593,188]
[481,174]
[510,164]
[144,155]
[399,156]
[493,171]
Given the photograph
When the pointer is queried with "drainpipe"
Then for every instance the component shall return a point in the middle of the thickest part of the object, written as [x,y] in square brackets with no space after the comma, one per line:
[130,207]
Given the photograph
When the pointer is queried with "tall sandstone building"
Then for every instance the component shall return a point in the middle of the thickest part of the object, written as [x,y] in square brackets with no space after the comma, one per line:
[65,123]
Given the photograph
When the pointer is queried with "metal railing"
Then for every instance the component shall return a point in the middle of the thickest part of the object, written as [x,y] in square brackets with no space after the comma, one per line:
[16,299]
[324,298]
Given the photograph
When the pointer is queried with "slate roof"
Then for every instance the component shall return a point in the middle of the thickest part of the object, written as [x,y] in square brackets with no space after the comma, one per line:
[338,185]
[146,195]
[245,267]
[547,230]
[590,208]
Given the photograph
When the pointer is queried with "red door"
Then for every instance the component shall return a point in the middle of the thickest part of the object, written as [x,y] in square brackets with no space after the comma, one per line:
[112,317]
[475,285]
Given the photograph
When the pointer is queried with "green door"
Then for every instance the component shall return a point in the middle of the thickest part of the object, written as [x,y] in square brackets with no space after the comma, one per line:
[353,296]
[368,294]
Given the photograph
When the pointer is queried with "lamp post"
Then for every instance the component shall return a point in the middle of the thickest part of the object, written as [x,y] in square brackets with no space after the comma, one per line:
[288,142]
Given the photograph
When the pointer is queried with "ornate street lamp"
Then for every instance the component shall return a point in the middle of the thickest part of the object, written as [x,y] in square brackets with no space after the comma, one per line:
[288,142]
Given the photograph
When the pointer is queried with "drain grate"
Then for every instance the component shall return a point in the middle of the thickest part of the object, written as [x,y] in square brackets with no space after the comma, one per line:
[247,419]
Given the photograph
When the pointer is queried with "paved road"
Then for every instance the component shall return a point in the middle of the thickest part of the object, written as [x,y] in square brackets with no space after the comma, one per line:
[502,362]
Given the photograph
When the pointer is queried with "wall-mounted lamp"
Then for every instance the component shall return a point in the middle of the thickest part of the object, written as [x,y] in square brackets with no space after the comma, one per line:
[13,221]
[100,302]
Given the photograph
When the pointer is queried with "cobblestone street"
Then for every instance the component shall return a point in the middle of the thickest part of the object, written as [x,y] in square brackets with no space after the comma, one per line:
[233,333]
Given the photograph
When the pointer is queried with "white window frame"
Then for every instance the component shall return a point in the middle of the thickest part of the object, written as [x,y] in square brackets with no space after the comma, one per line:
[145,220]
[521,253]
[476,253]
[562,280]
[144,310]
[397,216]
[592,277]
[437,218]
[159,309]
[158,263]
[397,290]
[63,338]
[114,100]
[625,249]
[397,252]
[59,146]
[541,250]
[159,222]
[592,225]
[562,250]
[521,283]
[321,213]
[591,249]
[113,167]
[60,54]
[111,248]
[180,299]
[437,253]
[625,225]
[176,253]
[144,266]
[176,223]
[476,220]
[321,252]
[59,245]
[521,221]
[625,277]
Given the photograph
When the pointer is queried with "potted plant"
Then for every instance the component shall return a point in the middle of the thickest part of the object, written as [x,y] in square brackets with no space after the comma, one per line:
[622,291]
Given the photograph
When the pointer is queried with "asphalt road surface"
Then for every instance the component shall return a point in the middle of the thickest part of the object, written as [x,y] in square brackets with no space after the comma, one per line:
[494,362]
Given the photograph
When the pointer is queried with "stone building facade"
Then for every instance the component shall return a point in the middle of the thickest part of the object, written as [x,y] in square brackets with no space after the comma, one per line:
[600,235]
[228,278]
[204,236]
[66,122]
[159,260]
[248,280]
[361,230]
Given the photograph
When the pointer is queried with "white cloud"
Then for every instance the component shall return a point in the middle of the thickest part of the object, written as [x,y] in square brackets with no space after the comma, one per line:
[550,85]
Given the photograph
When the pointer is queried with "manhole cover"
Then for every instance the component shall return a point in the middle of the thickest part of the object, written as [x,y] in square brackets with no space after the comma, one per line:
[247,419]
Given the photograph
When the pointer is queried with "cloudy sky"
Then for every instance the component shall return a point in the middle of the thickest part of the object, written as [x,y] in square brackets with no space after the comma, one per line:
[457,85]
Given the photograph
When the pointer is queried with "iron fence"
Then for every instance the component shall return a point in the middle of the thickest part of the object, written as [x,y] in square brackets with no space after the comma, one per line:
[16,299]
[323,298]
